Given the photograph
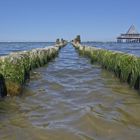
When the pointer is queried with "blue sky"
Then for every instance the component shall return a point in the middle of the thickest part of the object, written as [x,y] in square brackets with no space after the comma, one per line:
[46,20]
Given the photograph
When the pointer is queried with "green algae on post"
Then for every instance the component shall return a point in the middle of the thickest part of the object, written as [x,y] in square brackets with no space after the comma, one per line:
[15,68]
[125,66]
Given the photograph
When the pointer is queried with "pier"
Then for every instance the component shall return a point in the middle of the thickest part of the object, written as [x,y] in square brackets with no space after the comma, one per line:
[131,36]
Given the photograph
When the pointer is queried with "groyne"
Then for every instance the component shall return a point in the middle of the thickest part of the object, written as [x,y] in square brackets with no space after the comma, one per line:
[124,66]
[15,68]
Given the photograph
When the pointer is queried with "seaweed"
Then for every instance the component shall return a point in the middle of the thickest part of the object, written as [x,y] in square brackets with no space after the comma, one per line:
[16,67]
[125,66]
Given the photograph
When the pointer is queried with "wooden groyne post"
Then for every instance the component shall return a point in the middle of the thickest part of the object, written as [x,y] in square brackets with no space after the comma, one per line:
[125,66]
[15,68]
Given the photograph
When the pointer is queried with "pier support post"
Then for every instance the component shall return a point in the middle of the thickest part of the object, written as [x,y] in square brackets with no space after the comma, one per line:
[3,90]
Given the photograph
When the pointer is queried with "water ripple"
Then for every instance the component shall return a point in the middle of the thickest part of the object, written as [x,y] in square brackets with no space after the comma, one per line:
[74,100]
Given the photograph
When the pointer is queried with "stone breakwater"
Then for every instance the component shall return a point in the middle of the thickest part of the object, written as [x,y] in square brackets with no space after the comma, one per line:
[15,68]
[125,66]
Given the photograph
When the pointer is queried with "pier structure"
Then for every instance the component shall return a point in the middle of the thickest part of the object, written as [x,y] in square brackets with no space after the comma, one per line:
[131,36]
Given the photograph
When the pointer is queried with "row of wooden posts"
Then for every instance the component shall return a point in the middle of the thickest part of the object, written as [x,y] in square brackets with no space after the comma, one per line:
[15,68]
[124,66]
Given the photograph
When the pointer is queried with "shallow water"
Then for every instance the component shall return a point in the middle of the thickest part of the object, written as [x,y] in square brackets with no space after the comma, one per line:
[70,99]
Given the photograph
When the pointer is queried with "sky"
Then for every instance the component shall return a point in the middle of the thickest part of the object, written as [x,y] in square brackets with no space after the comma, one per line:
[46,20]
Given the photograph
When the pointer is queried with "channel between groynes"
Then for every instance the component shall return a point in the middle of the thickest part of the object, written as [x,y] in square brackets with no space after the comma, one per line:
[125,66]
[15,68]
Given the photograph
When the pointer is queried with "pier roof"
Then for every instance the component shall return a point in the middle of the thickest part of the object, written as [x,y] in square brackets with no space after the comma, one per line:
[132,33]
[132,30]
